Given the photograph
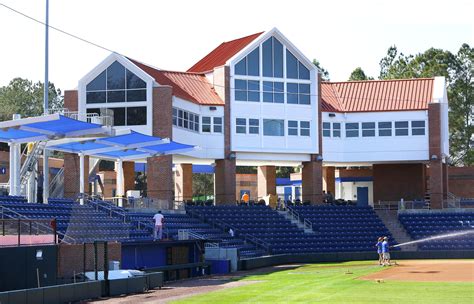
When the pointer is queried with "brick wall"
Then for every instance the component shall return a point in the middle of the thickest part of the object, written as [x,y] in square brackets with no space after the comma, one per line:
[183,186]
[71,175]
[461,181]
[329,179]
[246,182]
[436,185]
[128,175]
[395,181]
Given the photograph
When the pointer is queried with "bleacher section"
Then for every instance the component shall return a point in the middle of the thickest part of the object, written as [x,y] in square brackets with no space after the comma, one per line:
[337,228]
[423,225]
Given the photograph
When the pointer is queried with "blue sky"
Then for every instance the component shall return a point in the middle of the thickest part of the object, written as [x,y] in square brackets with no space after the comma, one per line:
[342,35]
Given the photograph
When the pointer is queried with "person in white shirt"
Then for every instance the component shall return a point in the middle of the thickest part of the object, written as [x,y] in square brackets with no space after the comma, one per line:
[159,221]
[231,232]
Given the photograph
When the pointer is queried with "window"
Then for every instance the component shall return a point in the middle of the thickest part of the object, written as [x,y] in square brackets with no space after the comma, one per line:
[241,126]
[116,84]
[119,116]
[298,93]
[273,127]
[336,129]
[247,90]
[326,129]
[304,128]
[249,65]
[368,129]
[217,124]
[272,53]
[273,92]
[206,124]
[385,128]
[292,127]
[352,129]
[418,127]
[175,117]
[136,116]
[254,126]
[294,68]
[401,128]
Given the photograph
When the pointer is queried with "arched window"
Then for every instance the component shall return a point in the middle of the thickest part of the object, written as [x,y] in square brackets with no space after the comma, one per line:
[116,84]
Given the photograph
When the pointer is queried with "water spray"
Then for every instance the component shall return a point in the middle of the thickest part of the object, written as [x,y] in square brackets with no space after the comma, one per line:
[437,237]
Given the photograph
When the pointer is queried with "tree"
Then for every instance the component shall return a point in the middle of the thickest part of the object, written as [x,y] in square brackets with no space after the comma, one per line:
[359,74]
[323,71]
[24,97]
[458,70]
[203,184]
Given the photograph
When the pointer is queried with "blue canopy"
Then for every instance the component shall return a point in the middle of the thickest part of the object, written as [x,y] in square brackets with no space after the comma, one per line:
[47,127]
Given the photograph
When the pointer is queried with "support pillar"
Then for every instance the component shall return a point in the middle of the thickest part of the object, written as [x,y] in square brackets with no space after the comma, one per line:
[128,176]
[72,172]
[81,177]
[45,176]
[119,180]
[312,180]
[266,181]
[436,164]
[160,181]
[183,182]
[329,180]
[224,182]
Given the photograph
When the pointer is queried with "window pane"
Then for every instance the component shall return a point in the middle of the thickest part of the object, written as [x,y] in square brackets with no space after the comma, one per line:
[278,98]
[401,132]
[304,99]
[206,128]
[352,126]
[420,131]
[273,127]
[418,124]
[304,124]
[385,132]
[303,72]
[134,82]
[336,125]
[253,122]
[253,130]
[326,125]
[241,67]
[368,133]
[293,132]
[253,85]
[267,58]
[241,130]
[304,88]
[352,133]
[98,84]
[336,133]
[291,66]
[277,58]
[292,87]
[401,124]
[93,110]
[136,95]
[292,98]
[218,120]
[254,96]
[241,95]
[278,87]
[136,116]
[119,116]
[241,121]
[267,97]
[385,125]
[115,96]
[115,76]
[95,97]
[217,129]
[326,133]
[304,132]
[253,66]
[206,120]
[368,125]
[240,84]
[292,124]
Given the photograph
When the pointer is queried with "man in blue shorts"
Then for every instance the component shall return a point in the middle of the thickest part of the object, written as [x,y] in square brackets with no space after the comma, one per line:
[379,250]
[385,252]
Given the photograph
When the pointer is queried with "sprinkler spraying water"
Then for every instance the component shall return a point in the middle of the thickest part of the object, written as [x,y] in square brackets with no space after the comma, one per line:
[437,237]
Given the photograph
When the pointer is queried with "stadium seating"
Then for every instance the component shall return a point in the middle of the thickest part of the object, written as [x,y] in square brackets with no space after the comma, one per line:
[425,225]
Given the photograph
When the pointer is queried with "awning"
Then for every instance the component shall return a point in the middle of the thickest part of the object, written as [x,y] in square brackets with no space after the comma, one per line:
[130,146]
[47,127]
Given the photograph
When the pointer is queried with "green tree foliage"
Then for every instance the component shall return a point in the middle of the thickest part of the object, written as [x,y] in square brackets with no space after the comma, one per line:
[458,69]
[22,96]
[323,71]
[203,184]
[359,74]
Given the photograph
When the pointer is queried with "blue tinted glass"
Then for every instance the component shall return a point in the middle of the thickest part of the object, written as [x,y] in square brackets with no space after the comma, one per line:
[267,58]
[291,66]
[253,96]
[267,97]
[116,96]
[119,116]
[97,84]
[278,97]
[134,82]
[304,99]
[240,84]
[95,97]
[136,116]
[304,132]
[115,76]
[254,85]
[368,125]
[292,124]
[253,63]
[267,86]
[304,124]
[273,127]
[401,124]
[277,58]
[326,125]
[303,71]
[292,98]
[241,67]
[241,95]
[418,132]
[217,120]
[136,95]
[292,87]
[278,86]
[304,88]
[253,122]
[418,124]
[241,121]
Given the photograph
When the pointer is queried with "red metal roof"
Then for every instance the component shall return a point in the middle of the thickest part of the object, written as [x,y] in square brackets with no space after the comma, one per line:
[222,53]
[377,95]
[193,87]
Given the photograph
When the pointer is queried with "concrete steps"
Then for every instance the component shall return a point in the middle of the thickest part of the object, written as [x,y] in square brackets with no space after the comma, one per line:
[390,220]
[295,221]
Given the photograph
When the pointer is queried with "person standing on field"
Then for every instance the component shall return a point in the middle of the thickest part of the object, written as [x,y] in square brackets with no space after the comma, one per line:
[385,252]
[379,249]
[158,230]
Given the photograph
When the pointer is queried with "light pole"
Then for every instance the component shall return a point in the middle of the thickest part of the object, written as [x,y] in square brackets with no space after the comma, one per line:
[45,105]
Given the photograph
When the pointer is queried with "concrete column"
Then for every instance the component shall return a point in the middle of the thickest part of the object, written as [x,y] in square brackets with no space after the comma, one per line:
[329,180]
[224,181]
[119,181]
[183,182]
[266,181]
[312,183]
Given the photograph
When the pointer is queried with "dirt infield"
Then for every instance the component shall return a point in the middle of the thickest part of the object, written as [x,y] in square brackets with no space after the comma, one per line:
[427,271]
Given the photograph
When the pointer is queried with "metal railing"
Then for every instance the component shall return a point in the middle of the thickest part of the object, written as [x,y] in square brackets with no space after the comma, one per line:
[102,206]
[105,120]
[307,224]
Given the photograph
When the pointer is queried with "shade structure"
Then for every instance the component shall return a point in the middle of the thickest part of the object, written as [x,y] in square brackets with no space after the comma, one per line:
[47,127]
[130,146]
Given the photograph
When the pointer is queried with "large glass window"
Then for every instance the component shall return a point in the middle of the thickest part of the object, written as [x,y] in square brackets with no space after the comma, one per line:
[273,92]
[298,93]
[352,129]
[116,84]
[326,129]
[254,126]
[293,127]
[136,116]
[272,52]
[401,128]
[247,90]
[241,125]
[294,68]
[368,129]
[186,119]
[273,127]
[385,128]
[249,65]
[206,124]
[336,129]
[304,128]
[217,127]
[418,127]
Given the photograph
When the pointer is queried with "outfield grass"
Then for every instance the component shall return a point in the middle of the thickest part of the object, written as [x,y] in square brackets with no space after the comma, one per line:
[329,283]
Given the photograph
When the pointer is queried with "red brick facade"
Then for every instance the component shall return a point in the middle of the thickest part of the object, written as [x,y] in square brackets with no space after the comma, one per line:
[128,176]
[437,183]
[71,175]
[329,179]
[183,182]
[393,182]
[461,181]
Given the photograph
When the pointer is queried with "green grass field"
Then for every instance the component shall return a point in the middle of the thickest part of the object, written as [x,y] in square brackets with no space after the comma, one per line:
[329,283]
